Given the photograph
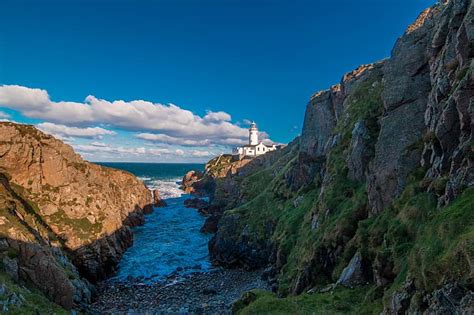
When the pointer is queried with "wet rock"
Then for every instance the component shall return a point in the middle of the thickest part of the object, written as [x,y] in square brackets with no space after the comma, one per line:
[354,273]
[189,179]
[209,291]
[198,184]
[157,201]
[196,203]
[211,224]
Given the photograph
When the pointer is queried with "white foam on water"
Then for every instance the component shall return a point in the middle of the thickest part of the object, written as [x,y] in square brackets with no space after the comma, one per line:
[168,188]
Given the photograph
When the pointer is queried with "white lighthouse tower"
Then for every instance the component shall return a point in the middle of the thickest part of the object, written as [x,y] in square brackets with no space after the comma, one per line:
[253,134]
[255,147]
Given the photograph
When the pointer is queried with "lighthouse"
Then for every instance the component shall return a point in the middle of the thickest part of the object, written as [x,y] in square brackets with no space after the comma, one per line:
[255,146]
[253,134]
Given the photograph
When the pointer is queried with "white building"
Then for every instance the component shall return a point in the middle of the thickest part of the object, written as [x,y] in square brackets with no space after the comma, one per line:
[255,147]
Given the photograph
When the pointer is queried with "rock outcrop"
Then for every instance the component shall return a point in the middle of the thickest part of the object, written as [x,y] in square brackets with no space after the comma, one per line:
[30,252]
[157,201]
[64,207]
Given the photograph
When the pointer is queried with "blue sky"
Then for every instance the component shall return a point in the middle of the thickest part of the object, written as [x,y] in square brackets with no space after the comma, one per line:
[220,62]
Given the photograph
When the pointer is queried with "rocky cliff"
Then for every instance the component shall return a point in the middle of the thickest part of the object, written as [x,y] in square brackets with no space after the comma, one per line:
[377,192]
[64,220]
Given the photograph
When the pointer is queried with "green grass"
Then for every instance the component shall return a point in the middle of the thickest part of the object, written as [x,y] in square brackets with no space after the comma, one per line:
[340,301]
[340,206]
[444,247]
[412,238]
[82,227]
[35,302]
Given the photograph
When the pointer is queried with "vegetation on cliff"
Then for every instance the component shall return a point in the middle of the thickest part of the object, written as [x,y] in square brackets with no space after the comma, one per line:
[374,201]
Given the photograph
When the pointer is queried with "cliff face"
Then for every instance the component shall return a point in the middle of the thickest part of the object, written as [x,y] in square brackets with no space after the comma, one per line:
[72,208]
[31,253]
[378,189]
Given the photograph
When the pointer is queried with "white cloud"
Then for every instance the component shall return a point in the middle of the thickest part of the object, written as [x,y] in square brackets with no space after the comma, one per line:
[62,131]
[198,153]
[99,150]
[138,115]
[90,148]
[99,144]
[159,151]
[216,117]
[171,140]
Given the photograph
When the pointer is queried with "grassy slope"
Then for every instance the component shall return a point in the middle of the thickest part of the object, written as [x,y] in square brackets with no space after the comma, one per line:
[34,301]
[427,245]
[422,243]
[339,301]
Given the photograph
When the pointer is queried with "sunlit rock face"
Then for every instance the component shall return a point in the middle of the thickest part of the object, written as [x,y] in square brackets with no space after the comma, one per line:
[76,206]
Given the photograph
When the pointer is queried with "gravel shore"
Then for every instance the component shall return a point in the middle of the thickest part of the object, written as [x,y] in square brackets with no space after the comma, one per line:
[211,292]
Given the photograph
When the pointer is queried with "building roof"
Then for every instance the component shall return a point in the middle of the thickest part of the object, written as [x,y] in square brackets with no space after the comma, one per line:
[253,146]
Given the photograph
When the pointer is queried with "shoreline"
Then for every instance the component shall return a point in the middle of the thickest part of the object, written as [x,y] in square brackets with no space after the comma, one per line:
[209,292]
[198,291]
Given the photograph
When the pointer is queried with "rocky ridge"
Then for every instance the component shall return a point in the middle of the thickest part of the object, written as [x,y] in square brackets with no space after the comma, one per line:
[378,189]
[65,222]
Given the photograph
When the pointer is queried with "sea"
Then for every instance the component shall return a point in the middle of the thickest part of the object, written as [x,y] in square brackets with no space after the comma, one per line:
[169,242]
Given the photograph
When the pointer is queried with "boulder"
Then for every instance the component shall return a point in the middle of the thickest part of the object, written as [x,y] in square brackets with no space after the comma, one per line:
[196,203]
[189,180]
[157,201]
[354,273]
[452,298]
[210,225]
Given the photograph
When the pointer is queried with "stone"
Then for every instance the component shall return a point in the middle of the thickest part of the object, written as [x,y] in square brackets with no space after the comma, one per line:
[211,224]
[11,267]
[298,200]
[189,179]
[450,299]
[359,155]
[400,300]
[353,274]
[209,291]
[319,122]
[314,221]
[157,201]
[196,203]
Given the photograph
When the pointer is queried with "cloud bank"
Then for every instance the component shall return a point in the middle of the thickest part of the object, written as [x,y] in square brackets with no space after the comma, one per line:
[65,131]
[167,129]
[168,120]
